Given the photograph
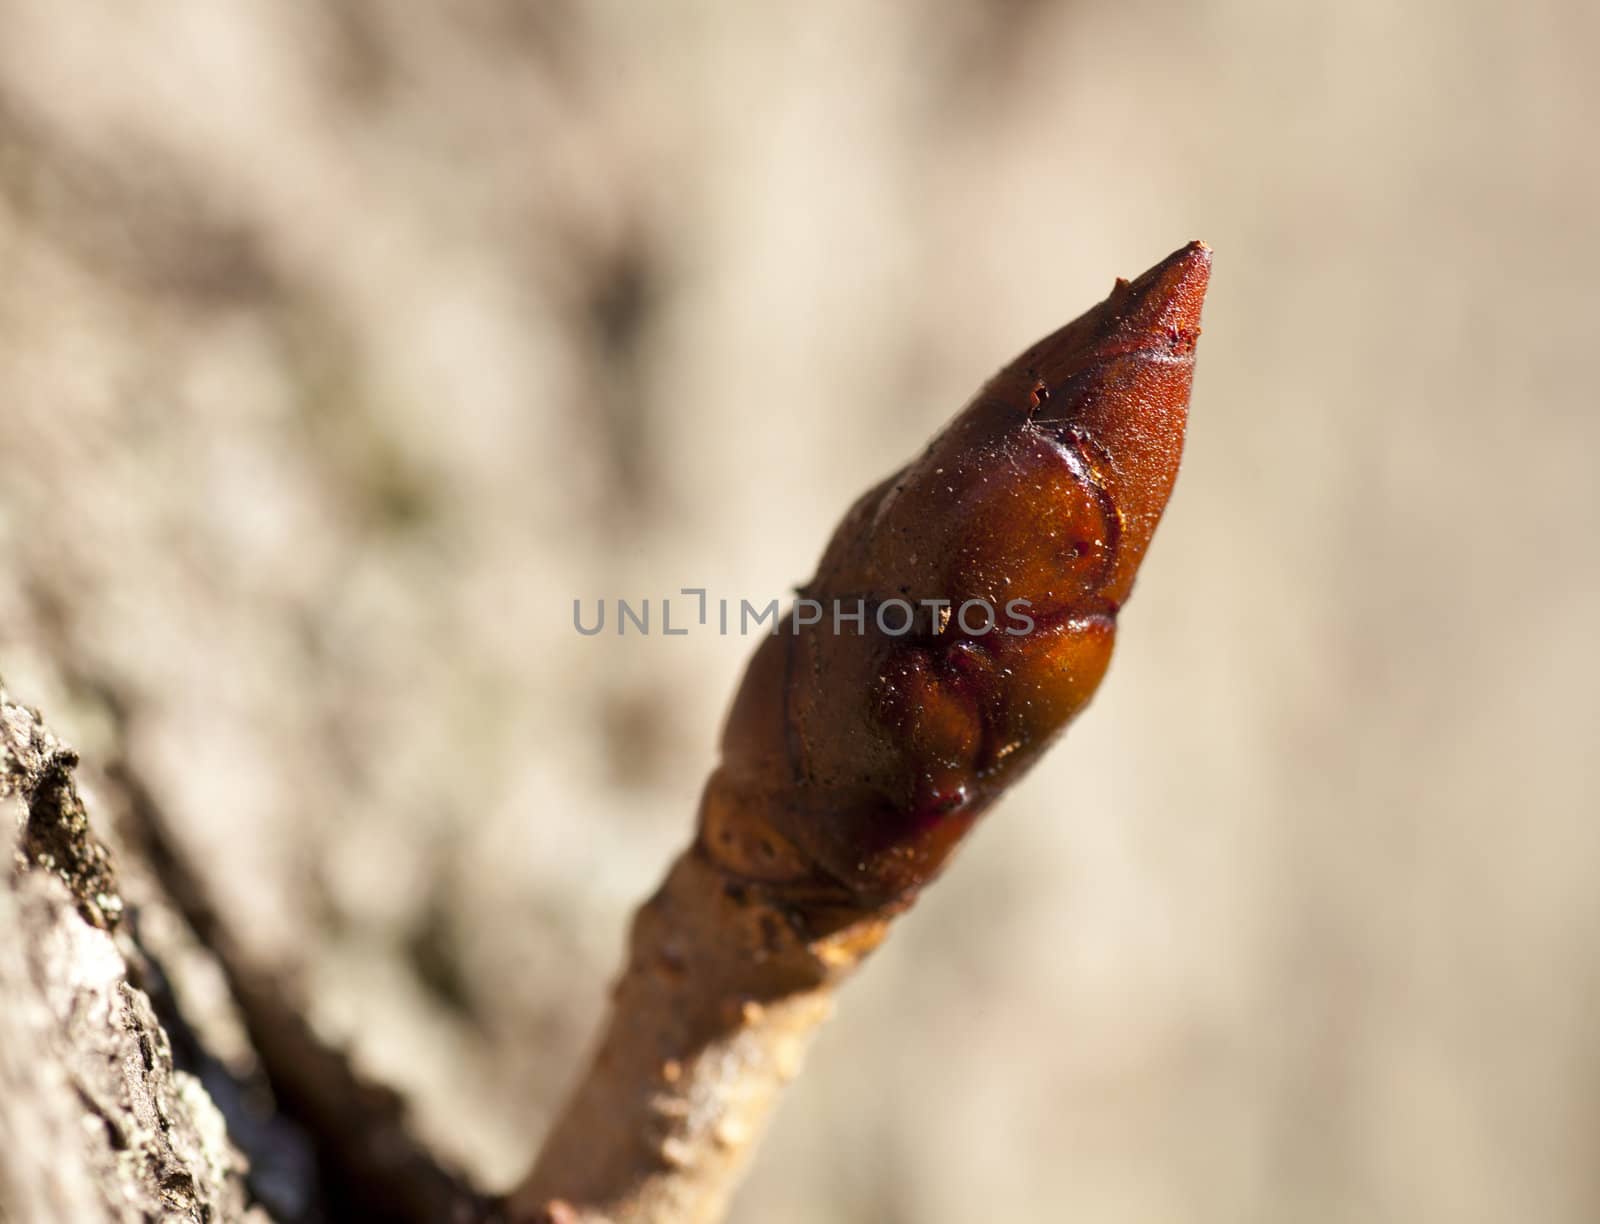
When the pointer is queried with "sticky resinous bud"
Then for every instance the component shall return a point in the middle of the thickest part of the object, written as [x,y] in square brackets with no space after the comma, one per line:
[854,761]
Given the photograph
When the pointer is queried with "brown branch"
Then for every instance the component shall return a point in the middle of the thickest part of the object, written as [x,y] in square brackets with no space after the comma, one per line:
[723,990]
[855,760]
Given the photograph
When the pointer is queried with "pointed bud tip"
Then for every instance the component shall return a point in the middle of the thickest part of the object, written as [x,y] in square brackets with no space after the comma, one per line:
[1160,310]
[1192,265]
[1169,296]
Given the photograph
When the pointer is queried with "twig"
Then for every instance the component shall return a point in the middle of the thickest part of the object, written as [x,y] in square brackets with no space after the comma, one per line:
[858,753]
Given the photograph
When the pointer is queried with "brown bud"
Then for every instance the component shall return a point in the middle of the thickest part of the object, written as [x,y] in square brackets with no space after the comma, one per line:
[990,570]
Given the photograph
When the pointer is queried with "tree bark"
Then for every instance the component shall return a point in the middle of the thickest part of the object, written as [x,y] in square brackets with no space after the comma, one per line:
[96,1121]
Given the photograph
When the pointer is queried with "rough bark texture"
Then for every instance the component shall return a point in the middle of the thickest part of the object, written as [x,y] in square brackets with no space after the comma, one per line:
[96,1122]
[140,1050]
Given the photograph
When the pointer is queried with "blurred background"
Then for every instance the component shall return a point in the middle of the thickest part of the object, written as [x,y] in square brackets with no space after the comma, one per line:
[343,345]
